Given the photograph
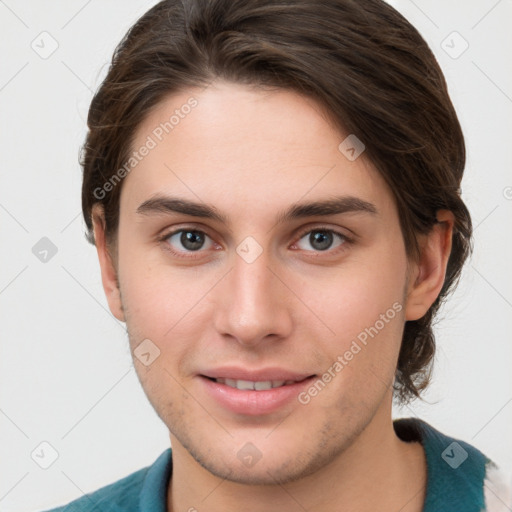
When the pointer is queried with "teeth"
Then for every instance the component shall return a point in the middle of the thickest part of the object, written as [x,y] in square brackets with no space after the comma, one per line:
[244,384]
[230,382]
[251,385]
[259,386]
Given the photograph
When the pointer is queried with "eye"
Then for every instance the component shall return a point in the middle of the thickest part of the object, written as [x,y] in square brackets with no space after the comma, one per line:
[188,240]
[322,239]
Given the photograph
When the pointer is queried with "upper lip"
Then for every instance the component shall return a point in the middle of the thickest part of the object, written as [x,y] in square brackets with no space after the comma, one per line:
[264,374]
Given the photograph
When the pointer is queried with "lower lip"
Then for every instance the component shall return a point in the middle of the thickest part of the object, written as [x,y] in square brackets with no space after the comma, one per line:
[251,402]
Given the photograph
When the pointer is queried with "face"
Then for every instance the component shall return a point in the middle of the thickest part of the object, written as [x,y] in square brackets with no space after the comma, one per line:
[266,333]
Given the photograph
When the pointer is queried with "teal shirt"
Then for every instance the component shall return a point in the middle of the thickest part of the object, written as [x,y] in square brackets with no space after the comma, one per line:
[456,473]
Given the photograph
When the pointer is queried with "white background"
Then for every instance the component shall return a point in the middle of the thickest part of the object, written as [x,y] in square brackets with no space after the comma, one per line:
[65,368]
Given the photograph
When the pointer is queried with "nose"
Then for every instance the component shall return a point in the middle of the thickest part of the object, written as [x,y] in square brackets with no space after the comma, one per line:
[254,304]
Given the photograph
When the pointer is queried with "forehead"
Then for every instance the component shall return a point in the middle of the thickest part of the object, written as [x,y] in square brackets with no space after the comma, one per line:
[244,147]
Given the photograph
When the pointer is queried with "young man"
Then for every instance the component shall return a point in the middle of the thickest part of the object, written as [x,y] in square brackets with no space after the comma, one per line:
[273,188]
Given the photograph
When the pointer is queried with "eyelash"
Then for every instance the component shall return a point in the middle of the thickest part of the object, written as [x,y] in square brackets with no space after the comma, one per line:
[345,241]
[341,248]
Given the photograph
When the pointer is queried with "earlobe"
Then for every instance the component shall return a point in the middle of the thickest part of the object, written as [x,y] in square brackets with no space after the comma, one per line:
[108,268]
[429,273]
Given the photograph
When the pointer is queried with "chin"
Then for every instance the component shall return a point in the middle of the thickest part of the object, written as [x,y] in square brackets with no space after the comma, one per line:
[269,472]
[283,458]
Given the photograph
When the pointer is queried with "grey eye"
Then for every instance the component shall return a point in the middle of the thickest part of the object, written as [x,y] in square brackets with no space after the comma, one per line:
[190,240]
[322,239]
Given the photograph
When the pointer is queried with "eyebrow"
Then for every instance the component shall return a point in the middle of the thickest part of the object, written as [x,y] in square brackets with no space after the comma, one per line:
[337,205]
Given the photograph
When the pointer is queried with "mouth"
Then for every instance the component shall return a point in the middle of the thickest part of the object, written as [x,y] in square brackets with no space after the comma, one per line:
[260,385]
[254,393]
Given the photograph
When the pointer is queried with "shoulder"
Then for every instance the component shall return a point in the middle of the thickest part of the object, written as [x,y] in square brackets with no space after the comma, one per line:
[128,493]
[120,495]
[459,476]
[497,491]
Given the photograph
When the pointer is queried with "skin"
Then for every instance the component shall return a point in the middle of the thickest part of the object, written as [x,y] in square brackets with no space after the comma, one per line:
[253,153]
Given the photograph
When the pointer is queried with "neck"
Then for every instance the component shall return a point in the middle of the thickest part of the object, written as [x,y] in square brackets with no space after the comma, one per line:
[377,471]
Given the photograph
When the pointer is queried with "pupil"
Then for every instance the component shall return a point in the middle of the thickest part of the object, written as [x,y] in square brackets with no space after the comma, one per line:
[191,240]
[321,240]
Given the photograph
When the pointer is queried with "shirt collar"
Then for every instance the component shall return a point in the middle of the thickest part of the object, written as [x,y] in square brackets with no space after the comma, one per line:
[153,496]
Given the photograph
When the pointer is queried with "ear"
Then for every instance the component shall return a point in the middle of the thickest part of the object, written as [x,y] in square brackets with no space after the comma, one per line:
[108,268]
[427,276]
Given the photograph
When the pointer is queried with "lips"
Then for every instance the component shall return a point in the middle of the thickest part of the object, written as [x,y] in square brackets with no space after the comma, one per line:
[253,392]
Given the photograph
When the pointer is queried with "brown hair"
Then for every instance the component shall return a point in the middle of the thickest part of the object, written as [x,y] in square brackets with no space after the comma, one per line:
[359,59]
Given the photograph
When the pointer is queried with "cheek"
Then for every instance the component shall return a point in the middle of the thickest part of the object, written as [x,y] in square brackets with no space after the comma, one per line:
[348,300]
[149,290]
[363,311]
[164,304]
